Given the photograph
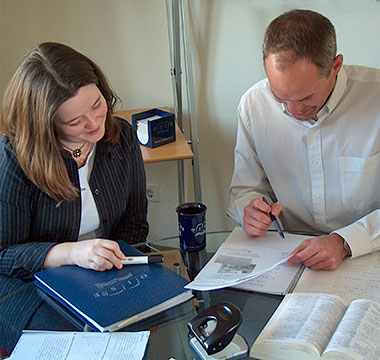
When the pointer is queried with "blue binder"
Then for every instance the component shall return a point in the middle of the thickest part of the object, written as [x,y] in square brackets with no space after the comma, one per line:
[113,299]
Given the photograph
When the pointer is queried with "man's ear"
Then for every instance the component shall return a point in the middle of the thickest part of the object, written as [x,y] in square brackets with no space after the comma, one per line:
[338,63]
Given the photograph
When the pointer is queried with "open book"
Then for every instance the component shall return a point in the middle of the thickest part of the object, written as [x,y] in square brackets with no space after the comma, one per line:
[355,278]
[320,326]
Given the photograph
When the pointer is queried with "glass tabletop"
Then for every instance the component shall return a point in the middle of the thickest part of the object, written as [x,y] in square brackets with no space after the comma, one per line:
[257,308]
[213,241]
[169,332]
[194,261]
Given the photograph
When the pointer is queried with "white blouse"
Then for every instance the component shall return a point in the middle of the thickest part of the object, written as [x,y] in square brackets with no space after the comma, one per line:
[90,223]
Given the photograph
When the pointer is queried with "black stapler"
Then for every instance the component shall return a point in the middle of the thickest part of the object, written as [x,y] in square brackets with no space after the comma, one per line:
[212,333]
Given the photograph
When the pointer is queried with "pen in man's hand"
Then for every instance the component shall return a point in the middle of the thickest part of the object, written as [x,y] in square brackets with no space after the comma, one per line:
[150,259]
[275,222]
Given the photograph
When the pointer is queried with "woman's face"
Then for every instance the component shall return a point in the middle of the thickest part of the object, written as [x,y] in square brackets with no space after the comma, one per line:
[82,118]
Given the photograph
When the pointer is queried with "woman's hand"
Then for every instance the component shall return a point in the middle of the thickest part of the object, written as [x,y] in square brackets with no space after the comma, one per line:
[96,254]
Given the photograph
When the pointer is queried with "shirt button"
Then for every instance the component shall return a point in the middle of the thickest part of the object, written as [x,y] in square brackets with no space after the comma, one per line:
[317,196]
[96,191]
[315,162]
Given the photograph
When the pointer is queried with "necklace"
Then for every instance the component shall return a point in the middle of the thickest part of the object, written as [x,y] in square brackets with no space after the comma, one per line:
[76,152]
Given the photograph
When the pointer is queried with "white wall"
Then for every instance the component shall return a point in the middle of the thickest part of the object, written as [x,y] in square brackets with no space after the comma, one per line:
[128,39]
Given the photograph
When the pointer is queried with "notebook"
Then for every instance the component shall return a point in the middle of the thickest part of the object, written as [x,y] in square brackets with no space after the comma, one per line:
[113,299]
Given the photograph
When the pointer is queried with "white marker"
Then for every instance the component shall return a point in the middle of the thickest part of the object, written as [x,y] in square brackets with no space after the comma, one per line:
[151,259]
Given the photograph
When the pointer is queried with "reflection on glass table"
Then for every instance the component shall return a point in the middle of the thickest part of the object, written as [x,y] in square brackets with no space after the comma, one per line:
[194,261]
[257,308]
[169,333]
[213,241]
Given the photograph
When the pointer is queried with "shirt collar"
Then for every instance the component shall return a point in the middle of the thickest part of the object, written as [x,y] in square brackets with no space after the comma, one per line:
[308,123]
[338,91]
[104,147]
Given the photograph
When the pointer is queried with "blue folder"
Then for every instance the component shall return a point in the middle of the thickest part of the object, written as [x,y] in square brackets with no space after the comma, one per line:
[113,299]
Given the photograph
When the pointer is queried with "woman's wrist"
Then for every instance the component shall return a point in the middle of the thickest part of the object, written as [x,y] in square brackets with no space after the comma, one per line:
[58,255]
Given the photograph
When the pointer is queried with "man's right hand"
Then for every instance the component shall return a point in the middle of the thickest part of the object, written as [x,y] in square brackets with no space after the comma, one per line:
[256,220]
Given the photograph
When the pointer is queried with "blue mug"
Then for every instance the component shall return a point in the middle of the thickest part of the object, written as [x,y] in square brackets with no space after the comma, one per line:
[192,226]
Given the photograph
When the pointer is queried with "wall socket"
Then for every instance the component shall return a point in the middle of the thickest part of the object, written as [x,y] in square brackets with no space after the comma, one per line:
[153,192]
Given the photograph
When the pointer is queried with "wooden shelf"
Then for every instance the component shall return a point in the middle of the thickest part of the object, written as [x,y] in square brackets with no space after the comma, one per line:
[177,150]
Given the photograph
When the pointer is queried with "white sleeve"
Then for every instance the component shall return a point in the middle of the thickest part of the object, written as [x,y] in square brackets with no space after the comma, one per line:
[363,235]
[249,180]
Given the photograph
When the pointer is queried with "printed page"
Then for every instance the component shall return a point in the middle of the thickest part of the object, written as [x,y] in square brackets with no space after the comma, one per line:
[358,333]
[277,281]
[54,345]
[356,278]
[302,322]
[241,258]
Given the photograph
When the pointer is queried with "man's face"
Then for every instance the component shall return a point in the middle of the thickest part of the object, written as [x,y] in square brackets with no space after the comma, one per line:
[300,86]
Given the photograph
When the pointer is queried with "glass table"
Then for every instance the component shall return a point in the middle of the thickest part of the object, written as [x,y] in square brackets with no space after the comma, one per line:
[257,308]
[169,333]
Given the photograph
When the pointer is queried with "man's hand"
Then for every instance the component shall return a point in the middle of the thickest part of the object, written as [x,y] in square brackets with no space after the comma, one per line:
[256,220]
[320,253]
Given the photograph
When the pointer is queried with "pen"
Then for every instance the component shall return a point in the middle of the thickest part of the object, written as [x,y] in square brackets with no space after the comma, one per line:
[275,222]
[144,259]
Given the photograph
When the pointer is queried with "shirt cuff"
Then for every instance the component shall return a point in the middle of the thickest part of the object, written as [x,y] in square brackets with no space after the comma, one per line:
[357,238]
[236,208]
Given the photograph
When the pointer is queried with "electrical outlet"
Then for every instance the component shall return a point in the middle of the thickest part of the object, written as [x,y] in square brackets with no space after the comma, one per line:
[153,192]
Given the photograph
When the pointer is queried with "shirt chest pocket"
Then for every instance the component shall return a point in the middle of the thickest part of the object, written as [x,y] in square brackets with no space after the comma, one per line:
[360,179]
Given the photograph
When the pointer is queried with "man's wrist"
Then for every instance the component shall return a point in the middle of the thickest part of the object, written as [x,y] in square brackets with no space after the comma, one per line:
[346,248]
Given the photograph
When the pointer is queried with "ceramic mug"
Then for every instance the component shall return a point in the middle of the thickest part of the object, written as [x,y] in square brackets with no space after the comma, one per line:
[192,226]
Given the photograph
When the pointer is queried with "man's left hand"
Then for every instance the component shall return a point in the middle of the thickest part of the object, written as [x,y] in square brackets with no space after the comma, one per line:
[320,253]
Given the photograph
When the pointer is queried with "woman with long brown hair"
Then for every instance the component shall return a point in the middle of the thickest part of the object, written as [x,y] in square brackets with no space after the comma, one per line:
[69,171]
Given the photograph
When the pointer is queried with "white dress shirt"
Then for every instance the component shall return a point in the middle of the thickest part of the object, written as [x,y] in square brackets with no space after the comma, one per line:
[325,174]
[89,223]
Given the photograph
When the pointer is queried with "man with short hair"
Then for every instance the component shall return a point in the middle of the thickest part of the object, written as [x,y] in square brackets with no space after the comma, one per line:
[308,140]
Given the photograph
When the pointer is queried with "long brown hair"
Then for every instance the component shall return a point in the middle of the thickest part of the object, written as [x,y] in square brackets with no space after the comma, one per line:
[47,77]
[301,34]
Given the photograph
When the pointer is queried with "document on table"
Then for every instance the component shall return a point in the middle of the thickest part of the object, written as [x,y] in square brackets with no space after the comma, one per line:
[60,345]
[356,278]
[279,281]
[241,258]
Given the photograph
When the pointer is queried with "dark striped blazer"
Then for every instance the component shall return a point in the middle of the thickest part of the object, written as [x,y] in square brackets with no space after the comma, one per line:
[31,223]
